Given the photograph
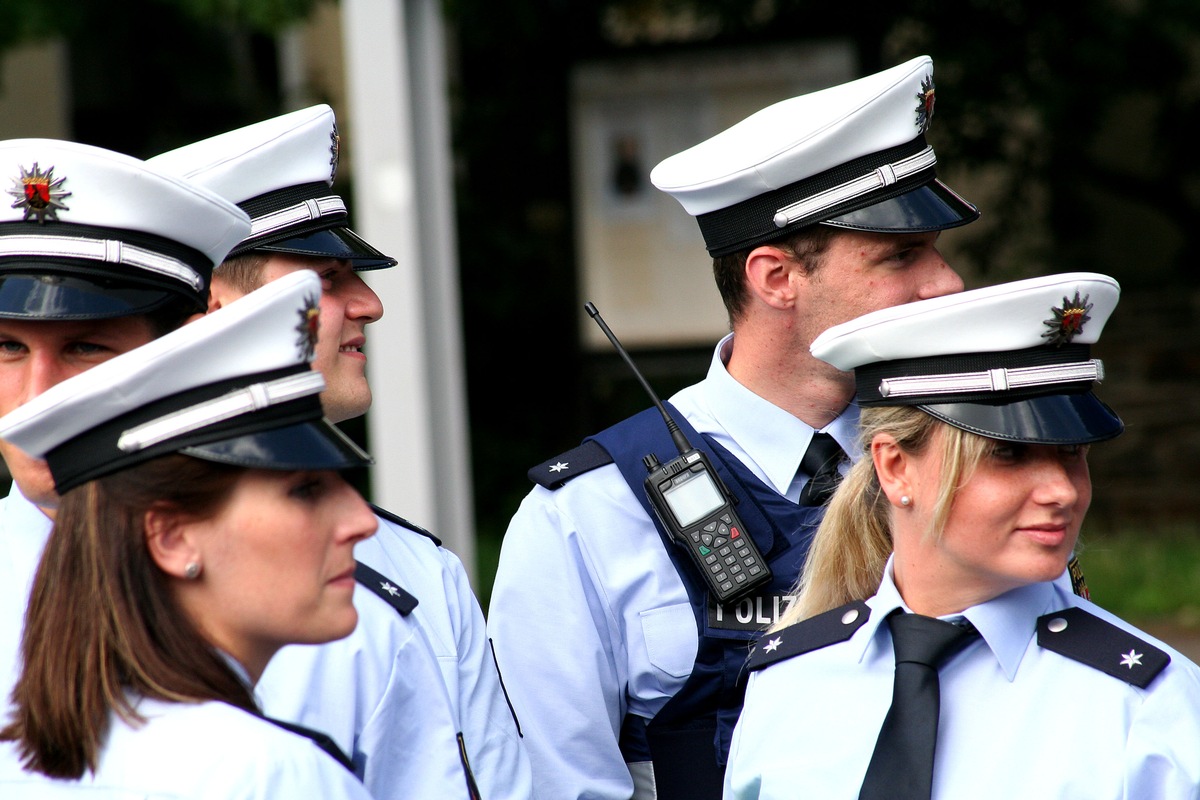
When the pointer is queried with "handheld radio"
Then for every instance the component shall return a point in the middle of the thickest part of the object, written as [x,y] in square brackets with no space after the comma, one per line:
[693,504]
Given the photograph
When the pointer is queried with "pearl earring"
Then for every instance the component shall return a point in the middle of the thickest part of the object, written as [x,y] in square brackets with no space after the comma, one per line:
[191,571]
[905,500]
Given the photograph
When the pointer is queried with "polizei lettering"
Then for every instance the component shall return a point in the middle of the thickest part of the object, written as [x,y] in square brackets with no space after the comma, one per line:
[750,614]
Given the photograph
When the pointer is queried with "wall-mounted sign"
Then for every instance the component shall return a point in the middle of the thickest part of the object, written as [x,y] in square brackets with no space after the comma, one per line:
[641,257]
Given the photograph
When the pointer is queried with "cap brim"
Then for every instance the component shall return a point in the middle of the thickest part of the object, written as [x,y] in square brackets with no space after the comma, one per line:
[48,296]
[1050,419]
[312,445]
[933,206]
[340,243]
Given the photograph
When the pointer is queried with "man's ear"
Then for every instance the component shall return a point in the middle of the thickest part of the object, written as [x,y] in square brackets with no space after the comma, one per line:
[220,293]
[769,276]
[170,540]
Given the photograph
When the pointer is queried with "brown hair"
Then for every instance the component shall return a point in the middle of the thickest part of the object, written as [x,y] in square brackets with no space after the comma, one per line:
[852,544]
[102,619]
[806,246]
[244,272]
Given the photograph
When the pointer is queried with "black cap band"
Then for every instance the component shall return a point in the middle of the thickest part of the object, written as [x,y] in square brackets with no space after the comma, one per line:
[869,379]
[317,230]
[1059,412]
[68,271]
[753,222]
[273,202]
[96,453]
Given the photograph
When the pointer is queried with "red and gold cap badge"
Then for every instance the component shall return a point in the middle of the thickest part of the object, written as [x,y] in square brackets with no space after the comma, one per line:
[39,193]
[925,102]
[308,328]
[1068,320]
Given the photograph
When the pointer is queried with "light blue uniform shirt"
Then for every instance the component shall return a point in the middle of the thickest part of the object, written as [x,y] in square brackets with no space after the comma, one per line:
[24,530]
[1017,720]
[206,751]
[588,615]
[397,691]
[393,695]
[398,713]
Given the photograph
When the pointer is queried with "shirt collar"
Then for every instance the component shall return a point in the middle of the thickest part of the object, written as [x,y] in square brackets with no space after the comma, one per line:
[758,425]
[886,600]
[1007,623]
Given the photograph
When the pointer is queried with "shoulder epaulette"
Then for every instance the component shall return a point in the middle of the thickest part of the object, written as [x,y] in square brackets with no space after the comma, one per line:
[321,740]
[396,597]
[1084,637]
[556,471]
[403,523]
[811,634]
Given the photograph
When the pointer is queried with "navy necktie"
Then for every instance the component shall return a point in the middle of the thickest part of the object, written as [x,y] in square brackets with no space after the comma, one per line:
[821,461]
[901,767]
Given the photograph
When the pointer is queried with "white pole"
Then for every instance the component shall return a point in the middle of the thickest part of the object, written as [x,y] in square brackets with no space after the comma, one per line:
[404,204]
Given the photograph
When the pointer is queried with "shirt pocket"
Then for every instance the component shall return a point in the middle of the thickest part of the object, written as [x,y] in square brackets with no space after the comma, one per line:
[670,634]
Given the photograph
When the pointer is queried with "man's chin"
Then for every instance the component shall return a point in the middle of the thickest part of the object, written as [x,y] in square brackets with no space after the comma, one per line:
[343,406]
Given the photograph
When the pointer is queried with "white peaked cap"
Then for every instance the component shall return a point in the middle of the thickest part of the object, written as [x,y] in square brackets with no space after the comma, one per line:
[88,214]
[280,172]
[1010,361]
[1007,316]
[816,158]
[289,150]
[227,387]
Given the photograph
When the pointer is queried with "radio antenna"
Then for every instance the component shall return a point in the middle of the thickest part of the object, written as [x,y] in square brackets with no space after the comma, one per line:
[677,435]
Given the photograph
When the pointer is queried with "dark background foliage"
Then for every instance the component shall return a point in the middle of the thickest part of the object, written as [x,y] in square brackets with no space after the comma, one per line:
[1084,123]
[1081,119]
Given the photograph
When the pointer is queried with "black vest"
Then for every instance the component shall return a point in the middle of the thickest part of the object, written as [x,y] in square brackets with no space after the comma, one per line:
[688,740]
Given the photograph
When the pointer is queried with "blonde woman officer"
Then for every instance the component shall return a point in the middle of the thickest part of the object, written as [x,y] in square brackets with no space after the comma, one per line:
[933,649]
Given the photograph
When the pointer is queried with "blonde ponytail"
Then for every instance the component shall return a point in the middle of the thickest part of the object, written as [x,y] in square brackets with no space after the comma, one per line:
[853,543]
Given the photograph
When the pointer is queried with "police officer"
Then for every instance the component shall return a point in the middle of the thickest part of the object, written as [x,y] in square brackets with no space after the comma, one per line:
[99,253]
[438,728]
[977,414]
[189,468]
[623,673]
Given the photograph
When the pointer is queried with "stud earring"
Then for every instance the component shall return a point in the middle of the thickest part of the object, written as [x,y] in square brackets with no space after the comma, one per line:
[905,500]
[191,571]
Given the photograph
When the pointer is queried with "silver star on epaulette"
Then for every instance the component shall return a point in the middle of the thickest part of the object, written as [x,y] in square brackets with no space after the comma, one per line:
[1131,659]
[387,587]
[559,467]
[773,644]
